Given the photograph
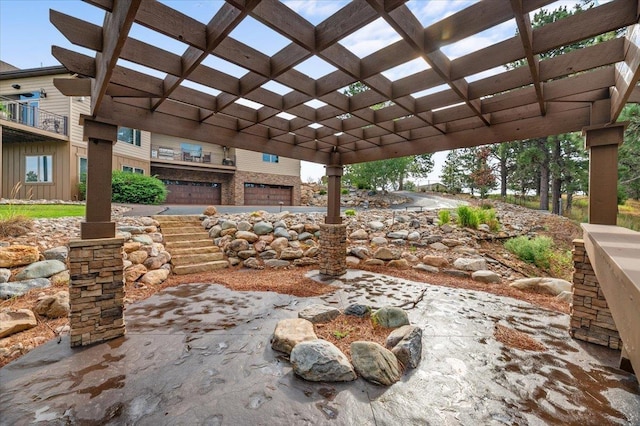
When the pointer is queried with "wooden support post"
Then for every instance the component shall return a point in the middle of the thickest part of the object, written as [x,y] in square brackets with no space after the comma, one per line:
[101,138]
[625,362]
[334,176]
[602,143]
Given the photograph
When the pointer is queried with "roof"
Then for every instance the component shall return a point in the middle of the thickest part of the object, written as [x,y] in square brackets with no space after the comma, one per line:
[11,74]
[315,120]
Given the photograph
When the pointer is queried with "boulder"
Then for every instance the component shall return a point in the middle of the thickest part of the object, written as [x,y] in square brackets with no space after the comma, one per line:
[379,241]
[210,211]
[376,225]
[565,296]
[291,253]
[311,252]
[358,310]
[311,227]
[155,277]
[413,236]
[390,317]
[359,234]
[276,263]
[553,286]
[246,235]
[215,231]
[291,331]
[318,314]
[280,243]
[450,242]
[18,255]
[209,222]
[360,252]
[399,264]
[268,254]
[398,235]
[229,224]
[320,361]
[239,245]
[426,268]
[56,306]
[134,272]
[375,363]
[130,247]
[60,253]
[244,226]
[485,276]
[282,233]
[304,236]
[406,344]
[352,261]
[456,273]
[374,262]
[263,228]
[12,322]
[143,239]
[470,264]
[60,279]
[5,274]
[138,256]
[385,253]
[42,269]
[18,288]
[438,246]
[446,229]
[245,254]
[154,262]
[252,263]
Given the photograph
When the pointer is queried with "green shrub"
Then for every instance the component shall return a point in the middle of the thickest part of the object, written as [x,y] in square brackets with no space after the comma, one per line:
[350,212]
[536,251]
[444,217]
[322,192]
[135,188]
[344,191]
[467,217]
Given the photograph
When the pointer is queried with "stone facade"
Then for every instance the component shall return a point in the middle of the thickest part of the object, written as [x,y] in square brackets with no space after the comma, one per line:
[591,318]
[240,178]
[333,249]
[96,290]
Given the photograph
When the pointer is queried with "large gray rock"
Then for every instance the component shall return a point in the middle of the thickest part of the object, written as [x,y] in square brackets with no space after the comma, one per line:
[413,236]
[238,245]
[42,269]
[280,244]
[359,234]
[282,233]
[276,263]
[5,274]
[319,313]
[565,296]
[426,268]
[263,228]
[12,322]
[438,246]
[553,286]
[215,231]
[398,235]
[390,317]
[375,363]
[485,276]
[60,253]
[385,253]
[56,306]
[470,264]
[379,241]
[406,344]
[291,253]
[321,361]
[304,236]
[243,226]
[291,331]
[376,225]
[252,263]
[144,239]
[228,224]
[360,252]
[18,288]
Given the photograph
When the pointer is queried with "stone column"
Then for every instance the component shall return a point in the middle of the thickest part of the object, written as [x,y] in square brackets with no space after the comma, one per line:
[602,143]
[96,292]
[101,138]
[333,249]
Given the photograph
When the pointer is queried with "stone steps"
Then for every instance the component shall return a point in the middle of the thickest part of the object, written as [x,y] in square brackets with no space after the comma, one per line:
[192,250]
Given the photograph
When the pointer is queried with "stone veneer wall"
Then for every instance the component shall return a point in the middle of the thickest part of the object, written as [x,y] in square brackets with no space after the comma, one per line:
[333,249]
[591,318]
[241,177]
[96,290]
[224,179]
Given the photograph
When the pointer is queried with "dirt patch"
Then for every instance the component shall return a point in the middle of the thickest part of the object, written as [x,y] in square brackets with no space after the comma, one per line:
[517,339]
[346,329]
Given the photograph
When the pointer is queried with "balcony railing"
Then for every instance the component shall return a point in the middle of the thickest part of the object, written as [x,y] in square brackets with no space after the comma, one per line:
[22,113]
[172,154]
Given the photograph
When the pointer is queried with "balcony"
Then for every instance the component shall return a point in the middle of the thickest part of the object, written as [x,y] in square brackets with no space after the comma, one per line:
[32,117]
[176,157]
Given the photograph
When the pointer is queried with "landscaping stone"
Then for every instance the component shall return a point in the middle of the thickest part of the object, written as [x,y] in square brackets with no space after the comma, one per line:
[134,272]
[282,233]
[239,245]
[398,235]
[375,363]
[12,322]
[18,255]
[245,254]
[565,296]
[359,234]
[470,264]
[311,227]
[305,261]
[304,236]
[291,253]
[60,253]
[385,253]
[485,276]
[406,344]
[215,231]
[42,269]
[456,273]
[228,224]
[155,277]
[60,279]
[438,247]
[5,274]
[426,268]
[210,211]
[263,228]
[244,226]
[143,239]
[268,254]
[319,313]
[276,263]
[374,262]
[553,286]
[55,306]
[138,256]
[379,241]
[450,242]
[311,252]
[130,247]
[280,244]
[352,261]
[291,331]
[360,252]
[390,317]
[413,236]
[358,310]
[252,263]
[154,262]
[246,235]
[376,225]
[321,361]
[399,264]
[446,229]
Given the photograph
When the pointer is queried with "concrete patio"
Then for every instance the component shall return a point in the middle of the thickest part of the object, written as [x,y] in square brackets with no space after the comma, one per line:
[200,354]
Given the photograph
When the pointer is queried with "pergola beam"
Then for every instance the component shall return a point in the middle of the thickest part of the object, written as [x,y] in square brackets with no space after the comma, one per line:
[627,72]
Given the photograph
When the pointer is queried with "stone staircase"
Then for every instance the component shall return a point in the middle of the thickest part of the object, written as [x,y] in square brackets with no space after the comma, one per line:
[192,250]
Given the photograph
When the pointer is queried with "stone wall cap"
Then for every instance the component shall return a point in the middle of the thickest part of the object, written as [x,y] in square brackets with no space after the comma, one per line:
[77,242]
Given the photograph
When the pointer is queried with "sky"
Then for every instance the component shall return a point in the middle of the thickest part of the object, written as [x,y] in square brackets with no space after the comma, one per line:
[26,37]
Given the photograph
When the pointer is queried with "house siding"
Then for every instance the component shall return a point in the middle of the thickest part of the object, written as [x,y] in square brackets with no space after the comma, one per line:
[250,161]
[55,101]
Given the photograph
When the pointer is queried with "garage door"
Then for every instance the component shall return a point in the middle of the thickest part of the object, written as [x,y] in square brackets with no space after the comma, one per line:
[256,194]
[187,192]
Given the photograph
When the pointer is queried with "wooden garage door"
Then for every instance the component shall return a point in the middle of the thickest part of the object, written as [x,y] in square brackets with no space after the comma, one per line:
[187,192]
[256,194]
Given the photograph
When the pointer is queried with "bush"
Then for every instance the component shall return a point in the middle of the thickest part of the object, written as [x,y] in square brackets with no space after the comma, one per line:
[350,212]
[444,217]
[344,191]
[536,251]
[467,217]
[135,188]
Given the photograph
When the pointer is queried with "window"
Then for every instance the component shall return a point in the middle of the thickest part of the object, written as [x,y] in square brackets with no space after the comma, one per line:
[38,168]
[269,158]
[191,152]
[127,135]
[82,169]
[130,169]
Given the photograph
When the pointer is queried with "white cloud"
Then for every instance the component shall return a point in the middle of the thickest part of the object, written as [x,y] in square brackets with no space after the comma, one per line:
[431,11]
[370,38]
[406,69]
[315,11]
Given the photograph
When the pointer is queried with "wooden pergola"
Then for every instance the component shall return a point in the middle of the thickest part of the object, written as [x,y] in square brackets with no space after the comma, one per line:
[585,89]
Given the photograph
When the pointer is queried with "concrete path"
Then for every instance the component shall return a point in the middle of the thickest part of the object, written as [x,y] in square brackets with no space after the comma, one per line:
[199,354]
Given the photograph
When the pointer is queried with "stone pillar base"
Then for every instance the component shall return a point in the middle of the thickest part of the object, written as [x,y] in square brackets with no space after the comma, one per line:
[96,290]
[591,319]
[333,249]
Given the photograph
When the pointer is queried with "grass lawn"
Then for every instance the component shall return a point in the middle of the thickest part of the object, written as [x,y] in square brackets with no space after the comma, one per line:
[41,211]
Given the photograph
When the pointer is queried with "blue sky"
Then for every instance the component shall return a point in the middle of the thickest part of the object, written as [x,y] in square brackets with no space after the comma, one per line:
[26,37]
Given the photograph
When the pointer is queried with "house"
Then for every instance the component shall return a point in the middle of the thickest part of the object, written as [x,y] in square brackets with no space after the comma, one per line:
[42,148]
